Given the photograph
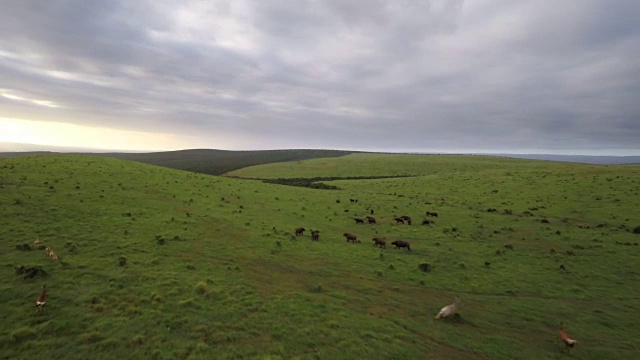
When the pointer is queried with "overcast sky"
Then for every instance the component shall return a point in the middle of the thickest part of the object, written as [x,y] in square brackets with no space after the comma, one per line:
[451,76]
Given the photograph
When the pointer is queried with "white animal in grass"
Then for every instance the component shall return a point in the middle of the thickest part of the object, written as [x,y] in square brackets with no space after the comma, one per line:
[449,309]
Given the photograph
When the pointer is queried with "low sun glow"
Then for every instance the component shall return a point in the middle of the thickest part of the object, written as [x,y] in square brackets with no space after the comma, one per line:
[65,134]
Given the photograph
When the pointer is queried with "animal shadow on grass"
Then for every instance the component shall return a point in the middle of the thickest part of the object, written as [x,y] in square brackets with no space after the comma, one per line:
[458,320]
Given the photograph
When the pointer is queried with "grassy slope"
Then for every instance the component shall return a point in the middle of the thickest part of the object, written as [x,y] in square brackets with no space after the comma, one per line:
[221,287]
[208,161]
[367,164]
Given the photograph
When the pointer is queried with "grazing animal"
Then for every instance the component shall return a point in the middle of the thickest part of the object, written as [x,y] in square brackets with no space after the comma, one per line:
[427,222]
[315,235]
[405,217]
[42,299]
[433,214]
[371,219]
[399,220]
[449,309]
[359,221]
[401,244]
[568,341]
[300,231]
[350,237]
[379,242]
[36,242]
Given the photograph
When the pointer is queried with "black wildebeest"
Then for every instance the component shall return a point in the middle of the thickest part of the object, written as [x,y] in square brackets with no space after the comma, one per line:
[427,222]
[406,218]
[371,219]
[401,244]
[379,242]
[433,214]
[350,237]
[299,231]
[359,220]
[399,220]
[315,235]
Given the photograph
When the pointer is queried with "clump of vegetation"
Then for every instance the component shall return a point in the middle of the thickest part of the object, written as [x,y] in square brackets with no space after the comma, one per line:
[23,247]
[23,334]
[160,240]
[636,230]
[122,261]
[201,288]
[426,267]
[30,272]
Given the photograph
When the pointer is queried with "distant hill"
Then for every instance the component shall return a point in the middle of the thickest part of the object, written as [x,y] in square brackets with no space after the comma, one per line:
[217,162]
[206,161]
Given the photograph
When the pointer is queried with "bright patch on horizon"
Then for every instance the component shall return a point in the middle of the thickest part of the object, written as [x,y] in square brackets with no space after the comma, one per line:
[65,134]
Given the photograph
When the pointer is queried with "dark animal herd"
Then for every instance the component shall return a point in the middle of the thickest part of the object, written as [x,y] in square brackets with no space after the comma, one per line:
[377,241]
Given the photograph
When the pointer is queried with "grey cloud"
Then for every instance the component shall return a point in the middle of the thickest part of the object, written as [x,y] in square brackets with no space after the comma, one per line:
[352,74]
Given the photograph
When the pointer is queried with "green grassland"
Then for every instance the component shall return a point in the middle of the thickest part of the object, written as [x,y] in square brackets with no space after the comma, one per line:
[207,161]
[157,263]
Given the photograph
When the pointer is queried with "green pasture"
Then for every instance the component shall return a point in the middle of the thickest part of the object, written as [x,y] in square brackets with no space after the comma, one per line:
[158,263]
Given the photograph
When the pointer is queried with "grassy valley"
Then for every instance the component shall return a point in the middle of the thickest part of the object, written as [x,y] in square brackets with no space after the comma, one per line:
[158,263]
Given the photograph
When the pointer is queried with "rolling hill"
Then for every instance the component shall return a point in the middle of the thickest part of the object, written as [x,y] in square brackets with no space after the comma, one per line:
[157,263]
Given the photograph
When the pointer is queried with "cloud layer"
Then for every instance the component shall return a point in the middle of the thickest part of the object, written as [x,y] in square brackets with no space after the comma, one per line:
[483,75]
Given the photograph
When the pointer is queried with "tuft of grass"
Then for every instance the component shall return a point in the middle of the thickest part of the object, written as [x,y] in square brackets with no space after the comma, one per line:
[201,288]
[23,334]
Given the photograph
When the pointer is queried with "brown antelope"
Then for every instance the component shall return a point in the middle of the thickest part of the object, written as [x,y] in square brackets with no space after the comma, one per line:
[568,341]
[42,299]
